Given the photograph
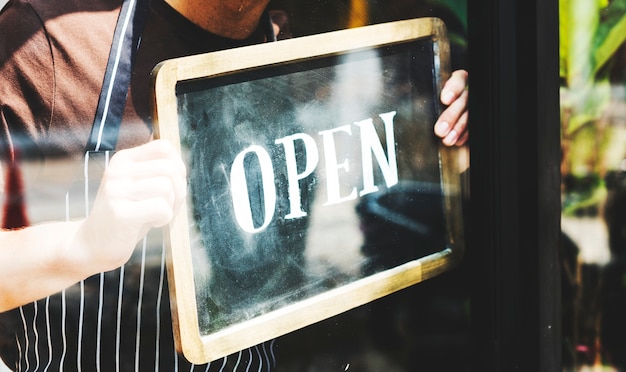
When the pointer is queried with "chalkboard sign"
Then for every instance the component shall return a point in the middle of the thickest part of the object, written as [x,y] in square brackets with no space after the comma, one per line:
[315,181]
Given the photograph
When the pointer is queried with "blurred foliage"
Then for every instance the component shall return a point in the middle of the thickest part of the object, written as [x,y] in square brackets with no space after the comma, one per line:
[311,17]
[592,32]
[317,16]
[459,9]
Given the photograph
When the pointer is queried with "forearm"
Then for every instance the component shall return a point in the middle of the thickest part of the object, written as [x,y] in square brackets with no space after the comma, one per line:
[142,188]
[38,261]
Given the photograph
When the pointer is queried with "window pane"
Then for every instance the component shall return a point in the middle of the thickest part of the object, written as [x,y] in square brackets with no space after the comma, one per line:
[425,326]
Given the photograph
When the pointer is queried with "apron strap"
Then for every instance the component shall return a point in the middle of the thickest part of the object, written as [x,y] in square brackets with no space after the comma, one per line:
[114,92]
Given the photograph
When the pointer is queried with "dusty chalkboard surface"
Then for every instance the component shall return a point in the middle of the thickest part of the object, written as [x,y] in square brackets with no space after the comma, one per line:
[316,183]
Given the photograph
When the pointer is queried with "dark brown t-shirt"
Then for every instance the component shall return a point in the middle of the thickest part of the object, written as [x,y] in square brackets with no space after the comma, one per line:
[52,61]
[53,56]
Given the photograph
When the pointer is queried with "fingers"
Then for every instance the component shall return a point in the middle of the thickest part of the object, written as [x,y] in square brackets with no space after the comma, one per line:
[141,188]
[452,126]
[453,88]
[138,197]
[148,171]
[151,212]
[146,180]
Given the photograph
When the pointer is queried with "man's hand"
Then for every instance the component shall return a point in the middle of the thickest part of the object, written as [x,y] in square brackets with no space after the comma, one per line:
[452,124]
[141,188]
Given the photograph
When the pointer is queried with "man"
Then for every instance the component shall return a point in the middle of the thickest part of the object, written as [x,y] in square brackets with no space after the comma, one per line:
[77,295]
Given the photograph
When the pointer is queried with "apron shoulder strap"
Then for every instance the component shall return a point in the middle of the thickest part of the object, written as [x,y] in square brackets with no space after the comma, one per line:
[114,92]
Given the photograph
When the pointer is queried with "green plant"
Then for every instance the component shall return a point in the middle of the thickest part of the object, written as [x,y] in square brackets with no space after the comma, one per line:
[591,32]
[459,9]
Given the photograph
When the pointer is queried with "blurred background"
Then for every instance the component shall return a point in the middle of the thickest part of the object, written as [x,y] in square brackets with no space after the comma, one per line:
[593,169]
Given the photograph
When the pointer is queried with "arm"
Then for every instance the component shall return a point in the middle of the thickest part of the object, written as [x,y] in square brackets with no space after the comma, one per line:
[451,126]
[142,188]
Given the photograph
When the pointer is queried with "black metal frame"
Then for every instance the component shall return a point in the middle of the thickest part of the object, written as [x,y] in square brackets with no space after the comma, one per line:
[515,196]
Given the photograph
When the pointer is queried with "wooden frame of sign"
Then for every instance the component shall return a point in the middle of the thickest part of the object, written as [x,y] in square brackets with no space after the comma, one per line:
[316,183]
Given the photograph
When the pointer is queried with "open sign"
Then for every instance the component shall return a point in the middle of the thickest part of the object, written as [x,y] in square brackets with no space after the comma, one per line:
[370,145]
[316,183]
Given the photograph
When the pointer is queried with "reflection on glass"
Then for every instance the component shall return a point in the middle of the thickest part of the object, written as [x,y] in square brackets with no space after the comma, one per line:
[344,184]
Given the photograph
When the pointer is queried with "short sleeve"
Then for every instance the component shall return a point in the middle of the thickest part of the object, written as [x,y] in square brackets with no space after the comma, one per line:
[26,79]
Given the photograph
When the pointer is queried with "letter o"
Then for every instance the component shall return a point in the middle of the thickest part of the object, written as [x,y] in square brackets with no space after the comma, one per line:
[239,189]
